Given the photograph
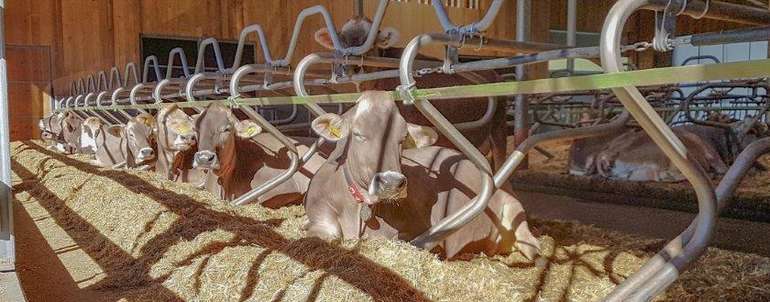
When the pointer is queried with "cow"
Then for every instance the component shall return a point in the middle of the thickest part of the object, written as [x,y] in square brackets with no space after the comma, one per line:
[69,139]
[385,179]
[50,127]
[177,144]
[140,141]
[490,137]
[118,145]
[632,155]
[242,158]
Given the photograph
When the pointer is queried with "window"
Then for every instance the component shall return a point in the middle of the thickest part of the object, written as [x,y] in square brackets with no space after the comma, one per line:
[161,46]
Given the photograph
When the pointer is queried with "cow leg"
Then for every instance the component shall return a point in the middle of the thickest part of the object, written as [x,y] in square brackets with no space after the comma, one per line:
[325,231]
[517,231]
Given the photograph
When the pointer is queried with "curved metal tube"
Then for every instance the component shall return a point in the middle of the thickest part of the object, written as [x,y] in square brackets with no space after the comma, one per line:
[480,26]
[156,68]
[294,164]
[199,65]
[115,80]
[130,70]
[703,57]
[101,83]
[235,81]
[355,50]
[171,60]
[254,28]
[455,221]
[663,269]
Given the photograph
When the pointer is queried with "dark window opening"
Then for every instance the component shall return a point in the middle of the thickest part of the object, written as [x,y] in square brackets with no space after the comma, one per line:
[161,46]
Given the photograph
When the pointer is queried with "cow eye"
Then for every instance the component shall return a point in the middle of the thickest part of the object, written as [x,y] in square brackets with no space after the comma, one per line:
[359,136]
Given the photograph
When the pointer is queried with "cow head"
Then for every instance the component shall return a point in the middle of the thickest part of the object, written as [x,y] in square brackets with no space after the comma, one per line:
[88,134]
[175,130]
[372,135]
[218,129]
[51,127]
[140,138]
[354,33]
[70,134]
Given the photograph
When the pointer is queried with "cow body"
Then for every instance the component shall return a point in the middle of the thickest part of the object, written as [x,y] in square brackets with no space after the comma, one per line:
[362,188]
[242,158]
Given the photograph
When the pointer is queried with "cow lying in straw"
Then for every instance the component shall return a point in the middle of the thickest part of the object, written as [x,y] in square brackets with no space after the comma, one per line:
[631,154]
[362,188]
[242,158]
[115,146]
[62,129]
[177,146]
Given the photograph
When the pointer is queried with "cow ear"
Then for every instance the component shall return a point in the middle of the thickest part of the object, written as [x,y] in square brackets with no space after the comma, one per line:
[323,37]
[388,37]
[331,127]
[419,136]
[247,129]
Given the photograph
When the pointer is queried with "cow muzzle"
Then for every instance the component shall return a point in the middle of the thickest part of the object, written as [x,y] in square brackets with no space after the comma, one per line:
[145,154]
[388,186]
[206,160]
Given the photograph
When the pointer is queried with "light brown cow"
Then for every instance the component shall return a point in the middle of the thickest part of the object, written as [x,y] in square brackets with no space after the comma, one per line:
[362,189]
[634,156]
[51,127]
[490,137]
[243,158]
[71,124]
[177,146]
[118,145]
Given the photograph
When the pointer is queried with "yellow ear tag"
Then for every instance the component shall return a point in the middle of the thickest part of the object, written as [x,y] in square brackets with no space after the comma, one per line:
[334,131]
[182,129]
[250,131]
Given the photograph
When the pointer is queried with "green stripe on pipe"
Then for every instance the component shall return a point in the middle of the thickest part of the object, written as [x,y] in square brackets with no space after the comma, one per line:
[648,77]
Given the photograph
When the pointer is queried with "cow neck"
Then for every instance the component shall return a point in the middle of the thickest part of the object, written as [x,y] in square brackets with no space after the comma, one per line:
[355,189]
[229,159]
[107,139]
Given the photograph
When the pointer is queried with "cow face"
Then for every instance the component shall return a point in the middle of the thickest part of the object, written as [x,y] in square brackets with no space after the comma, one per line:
[140,137]
[88,134]
[174,130]
[71,125]
[51,127]
[354,33]
[217,130]
[373,134]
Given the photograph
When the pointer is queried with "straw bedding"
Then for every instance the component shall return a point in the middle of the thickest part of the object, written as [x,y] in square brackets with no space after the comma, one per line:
[154,240]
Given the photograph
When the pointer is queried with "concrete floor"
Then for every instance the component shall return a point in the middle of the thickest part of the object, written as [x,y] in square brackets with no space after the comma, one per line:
[10,288]
[732,234]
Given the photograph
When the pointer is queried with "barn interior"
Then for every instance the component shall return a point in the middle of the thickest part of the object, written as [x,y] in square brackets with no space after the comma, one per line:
[632,133]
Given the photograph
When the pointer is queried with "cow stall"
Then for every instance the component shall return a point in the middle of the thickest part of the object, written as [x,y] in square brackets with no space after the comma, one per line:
[253,225]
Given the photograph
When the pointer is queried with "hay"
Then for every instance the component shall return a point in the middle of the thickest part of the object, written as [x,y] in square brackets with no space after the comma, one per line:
[154,240]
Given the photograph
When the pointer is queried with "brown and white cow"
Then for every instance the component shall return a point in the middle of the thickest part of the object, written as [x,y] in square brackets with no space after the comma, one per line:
[491,137]
[362,188]
[68,137]
[634,156]
[242,158]
[51,127]
[177,145]
[119,145]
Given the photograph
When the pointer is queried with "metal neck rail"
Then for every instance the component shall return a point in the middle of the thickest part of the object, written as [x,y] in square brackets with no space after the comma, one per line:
[647,77]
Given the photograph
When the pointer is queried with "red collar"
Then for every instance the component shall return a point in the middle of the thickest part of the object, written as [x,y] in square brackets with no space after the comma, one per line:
[353,188]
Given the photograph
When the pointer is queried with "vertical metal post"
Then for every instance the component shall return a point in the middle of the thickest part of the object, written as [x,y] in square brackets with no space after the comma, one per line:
[7,252]
[521,115]
[571,31]
[359,7]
